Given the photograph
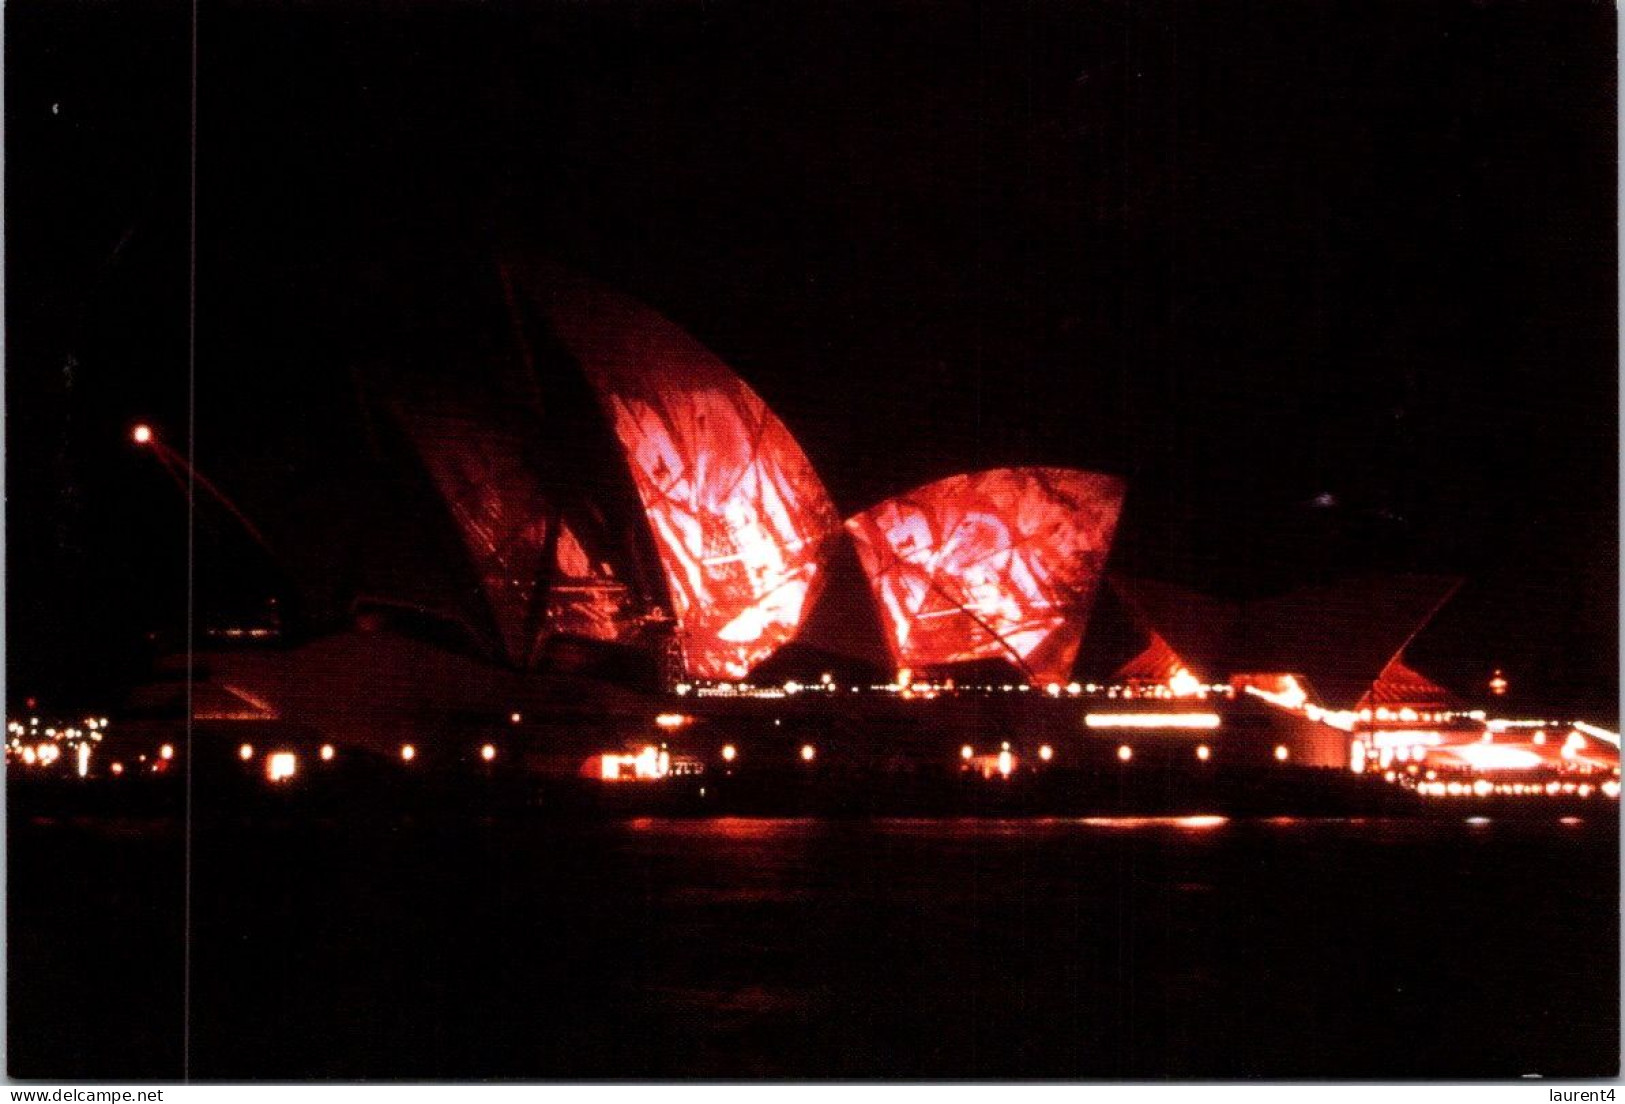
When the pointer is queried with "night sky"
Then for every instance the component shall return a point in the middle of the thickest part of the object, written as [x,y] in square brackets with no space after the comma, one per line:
[1332,285]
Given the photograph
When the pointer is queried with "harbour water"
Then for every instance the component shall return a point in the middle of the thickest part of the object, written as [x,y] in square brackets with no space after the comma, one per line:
[407,945]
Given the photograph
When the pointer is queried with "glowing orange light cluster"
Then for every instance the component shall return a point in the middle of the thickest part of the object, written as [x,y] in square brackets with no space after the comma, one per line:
[1151,720]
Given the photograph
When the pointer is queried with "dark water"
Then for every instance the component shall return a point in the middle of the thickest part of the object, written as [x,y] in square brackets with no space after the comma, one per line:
[391,946]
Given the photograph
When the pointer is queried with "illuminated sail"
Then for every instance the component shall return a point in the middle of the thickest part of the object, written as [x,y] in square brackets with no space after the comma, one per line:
[500,508]
[1001,564]
[739,517]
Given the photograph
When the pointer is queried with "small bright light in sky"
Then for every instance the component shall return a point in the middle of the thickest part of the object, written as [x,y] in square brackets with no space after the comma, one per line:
[142,434]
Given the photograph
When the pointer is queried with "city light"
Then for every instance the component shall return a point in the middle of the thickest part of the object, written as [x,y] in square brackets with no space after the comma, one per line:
[1403,738]
[1281,752]
[1487,757]
[672,720]
[807,753]
[280,766]
[1007,763]
[1602,734]
[246,752]
[1125,753]
[1203,753]
[966,752]
[1184,684]
[515,718]
[1046,753]
[408,753]
[141,434]
[1151,720]
[327,753]
[1290,695]
[729,753]
[488,753]
[166,752]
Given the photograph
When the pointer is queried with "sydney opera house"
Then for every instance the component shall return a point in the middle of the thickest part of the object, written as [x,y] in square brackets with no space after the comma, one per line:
[597,552]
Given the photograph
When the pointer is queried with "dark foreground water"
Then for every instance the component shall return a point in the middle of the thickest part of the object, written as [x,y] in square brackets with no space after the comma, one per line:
[390,946]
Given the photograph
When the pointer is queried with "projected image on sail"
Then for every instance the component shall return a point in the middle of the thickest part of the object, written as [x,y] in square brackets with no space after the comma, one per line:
[739,517]
[478,465]
[1000,564]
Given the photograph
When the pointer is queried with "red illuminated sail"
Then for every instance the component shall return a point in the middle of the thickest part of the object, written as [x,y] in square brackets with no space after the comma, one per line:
[1001,564]
[500,509]
[739,517]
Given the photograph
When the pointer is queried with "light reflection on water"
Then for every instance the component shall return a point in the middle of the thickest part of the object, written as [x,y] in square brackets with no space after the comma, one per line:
[1193,822]
[768,827]
[1191,946]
